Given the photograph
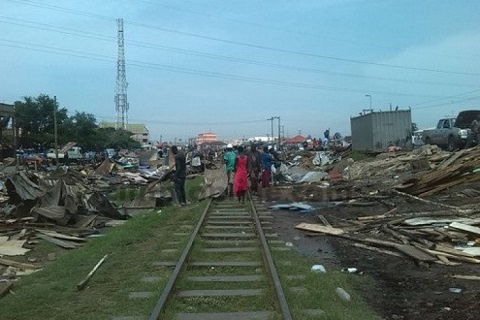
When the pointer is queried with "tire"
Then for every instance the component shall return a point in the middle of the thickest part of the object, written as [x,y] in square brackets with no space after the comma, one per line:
[451,145]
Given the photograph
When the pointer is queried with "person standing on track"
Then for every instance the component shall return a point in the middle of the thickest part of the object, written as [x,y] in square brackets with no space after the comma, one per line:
[229,159]
[180,175]
[240,184]
[254,167]
[267,167]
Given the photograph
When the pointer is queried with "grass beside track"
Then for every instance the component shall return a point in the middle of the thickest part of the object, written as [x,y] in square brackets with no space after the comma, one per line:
[133,247]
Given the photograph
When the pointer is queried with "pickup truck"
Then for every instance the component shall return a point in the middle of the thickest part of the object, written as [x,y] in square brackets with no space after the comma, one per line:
[451,133]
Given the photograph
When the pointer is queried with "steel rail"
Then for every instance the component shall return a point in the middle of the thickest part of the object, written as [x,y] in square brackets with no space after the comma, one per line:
[270,264]
[157,310]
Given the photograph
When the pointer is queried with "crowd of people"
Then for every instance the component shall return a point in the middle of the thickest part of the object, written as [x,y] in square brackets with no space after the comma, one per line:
[246,168]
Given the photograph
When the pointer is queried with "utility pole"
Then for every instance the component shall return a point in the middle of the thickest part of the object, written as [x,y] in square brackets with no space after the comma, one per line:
[55,133]
[278,132]
[271,119]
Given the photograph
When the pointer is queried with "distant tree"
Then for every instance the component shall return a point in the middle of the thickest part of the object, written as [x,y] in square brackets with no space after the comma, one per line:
[34,116]
[414,127]
[81,128]
[116,139]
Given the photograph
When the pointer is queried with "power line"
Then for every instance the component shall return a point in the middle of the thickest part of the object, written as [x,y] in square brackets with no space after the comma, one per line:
[47,27]
[163,67]
[245,44]
[446,98]
[186,123]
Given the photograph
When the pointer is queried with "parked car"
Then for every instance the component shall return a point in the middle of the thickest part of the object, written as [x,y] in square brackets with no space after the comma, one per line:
[448,134]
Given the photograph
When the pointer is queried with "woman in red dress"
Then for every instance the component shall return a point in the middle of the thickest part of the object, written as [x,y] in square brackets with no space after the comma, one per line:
[240,183]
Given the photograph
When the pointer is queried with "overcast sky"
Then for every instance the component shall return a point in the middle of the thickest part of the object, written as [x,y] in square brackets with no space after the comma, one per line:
[227,66]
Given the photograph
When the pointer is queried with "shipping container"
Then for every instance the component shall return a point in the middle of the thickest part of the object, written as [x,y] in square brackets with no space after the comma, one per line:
[377,130]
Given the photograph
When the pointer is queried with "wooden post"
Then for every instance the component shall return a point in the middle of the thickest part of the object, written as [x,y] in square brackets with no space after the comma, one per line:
[55,128]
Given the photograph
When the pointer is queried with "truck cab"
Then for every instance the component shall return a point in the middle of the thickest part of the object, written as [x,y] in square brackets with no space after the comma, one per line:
[443,127]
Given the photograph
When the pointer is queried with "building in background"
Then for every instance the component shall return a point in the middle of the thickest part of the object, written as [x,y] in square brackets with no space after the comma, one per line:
[378,130]
[206,137]
[139,131]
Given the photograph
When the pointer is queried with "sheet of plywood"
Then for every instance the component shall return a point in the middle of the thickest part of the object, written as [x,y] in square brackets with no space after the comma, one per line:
[314,227]
[12,247]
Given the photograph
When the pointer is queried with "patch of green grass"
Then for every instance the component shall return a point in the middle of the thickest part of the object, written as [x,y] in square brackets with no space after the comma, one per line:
[124,194]
[320,288]
[51,293]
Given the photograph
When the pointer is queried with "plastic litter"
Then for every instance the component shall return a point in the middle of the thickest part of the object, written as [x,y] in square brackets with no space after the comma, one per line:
[289,244]
[318,268]
[455,290]
[350,270]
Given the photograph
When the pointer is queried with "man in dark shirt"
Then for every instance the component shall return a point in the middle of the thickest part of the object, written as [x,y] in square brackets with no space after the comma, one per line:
[180,175]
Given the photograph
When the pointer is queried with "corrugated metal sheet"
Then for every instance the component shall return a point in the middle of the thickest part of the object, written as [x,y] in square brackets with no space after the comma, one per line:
[376,131]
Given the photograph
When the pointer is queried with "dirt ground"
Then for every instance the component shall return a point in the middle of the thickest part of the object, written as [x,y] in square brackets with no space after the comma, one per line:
[401,289]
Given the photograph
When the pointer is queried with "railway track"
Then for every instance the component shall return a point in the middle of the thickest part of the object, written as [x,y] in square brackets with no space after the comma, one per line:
[226,270]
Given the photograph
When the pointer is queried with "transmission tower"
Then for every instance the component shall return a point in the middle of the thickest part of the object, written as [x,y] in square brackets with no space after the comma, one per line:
[121,102]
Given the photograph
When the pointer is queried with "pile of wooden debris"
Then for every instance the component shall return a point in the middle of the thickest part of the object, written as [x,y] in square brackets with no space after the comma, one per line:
[447,236]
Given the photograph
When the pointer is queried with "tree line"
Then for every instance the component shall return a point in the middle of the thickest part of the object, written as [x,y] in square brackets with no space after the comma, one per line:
[34,120]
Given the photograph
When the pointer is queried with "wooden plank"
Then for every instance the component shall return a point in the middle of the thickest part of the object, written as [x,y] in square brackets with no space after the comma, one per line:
[84,282]
[19,265]
[246,315]
[5,287]
[447,262]
[451,159]
[427,201]
[85,221]
[450,250]
[57,235]
[415,253]
[392,253]
[451,256]
[324,220]
[220,293]
[226,278]
[58,242]
[464,277]
[465,227]
[378,217]
[319,228]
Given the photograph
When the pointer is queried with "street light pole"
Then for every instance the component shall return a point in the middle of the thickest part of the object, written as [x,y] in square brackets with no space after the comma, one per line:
[367,95]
